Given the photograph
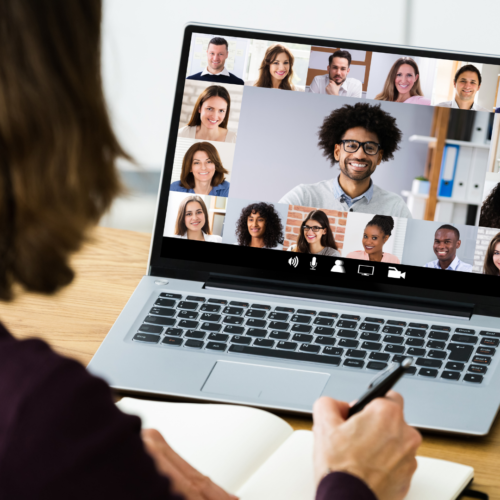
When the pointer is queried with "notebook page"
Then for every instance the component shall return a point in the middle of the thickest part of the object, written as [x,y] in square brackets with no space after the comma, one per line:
[227,443]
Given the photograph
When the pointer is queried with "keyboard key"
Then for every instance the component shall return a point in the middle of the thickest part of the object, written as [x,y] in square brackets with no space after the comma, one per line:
[187,315]
[234,330]
[289,346]
[197,344]
[165,303]
[348,343]
[216,346]
[393,339]
[430,363]
[146,337]
[212,318]
[218,337]
[396,349]
[477,369]
[298,318]
[415,351]
[321,330]
[396,323]
[356,353]
[233,320]
[398,358]
[255,313]
[371,346]
[452,365]
[379,356]
[412,332]
[278,325]
[256,323]
[209,308]
[410,371]
[234,311]
[414,342]
[261,306]
[171,295]
[372,337]
[428,372]
[436,354]
[160,320]
[324,321]
[275,353]
[172,341]
[346,324]
[441,328]
[350,316]
[237,339]
[467,331]
[191,306]
[327,314]
[464,339]
[324,340]
[347,334]
[309,312]
[162,311]
[471,377]
[439,335]
[174,332]
[151,329]
[301,337]
[285,309]
[187,324]
[279,335]
[375,320]
[309,348]
[222,302]
[354,363]
[332,351]
[195,299]
[485,351]
[490,334]
[394,330]
[481,360]
[490,342]
[263,343]
[238,304]
[368,327]
[450,375]
[194,334]
[459,352]
[298,328]
[435,344]
[278,316]
[256,332]
[376,365]
[423,326]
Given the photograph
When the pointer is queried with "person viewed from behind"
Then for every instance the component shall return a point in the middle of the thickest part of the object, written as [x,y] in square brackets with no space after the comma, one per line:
[192,221]
[403,84]
[490,210]
[316,236]
[336,82]
[216,71]
[57,177]
[446,243]
[492,257]
[210,116]
[376,234]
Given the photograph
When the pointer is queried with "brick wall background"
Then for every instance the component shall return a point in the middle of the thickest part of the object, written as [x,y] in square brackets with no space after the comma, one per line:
[297,214]
[484,236]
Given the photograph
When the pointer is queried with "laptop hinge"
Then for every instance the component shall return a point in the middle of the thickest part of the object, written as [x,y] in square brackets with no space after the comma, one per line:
[350,296]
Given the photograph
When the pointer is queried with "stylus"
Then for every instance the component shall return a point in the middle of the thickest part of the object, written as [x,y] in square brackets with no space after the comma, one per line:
[381,385]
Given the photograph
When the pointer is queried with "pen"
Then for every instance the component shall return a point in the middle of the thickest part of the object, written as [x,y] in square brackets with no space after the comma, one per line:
[381,385]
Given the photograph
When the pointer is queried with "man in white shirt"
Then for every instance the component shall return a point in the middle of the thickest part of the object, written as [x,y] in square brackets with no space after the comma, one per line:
[446,243]
[467,83]
[335,82]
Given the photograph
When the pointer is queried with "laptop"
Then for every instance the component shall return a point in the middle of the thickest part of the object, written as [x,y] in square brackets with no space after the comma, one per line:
[326,208]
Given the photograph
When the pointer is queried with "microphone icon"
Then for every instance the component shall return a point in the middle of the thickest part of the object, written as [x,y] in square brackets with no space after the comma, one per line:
[313,264]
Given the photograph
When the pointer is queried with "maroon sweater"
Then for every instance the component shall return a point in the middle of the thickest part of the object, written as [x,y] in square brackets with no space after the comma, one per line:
[62,437]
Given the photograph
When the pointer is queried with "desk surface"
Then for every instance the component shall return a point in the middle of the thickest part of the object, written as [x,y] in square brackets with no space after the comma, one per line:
[108,269]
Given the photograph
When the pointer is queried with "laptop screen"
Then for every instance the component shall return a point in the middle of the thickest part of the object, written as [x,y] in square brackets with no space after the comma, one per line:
[333,163]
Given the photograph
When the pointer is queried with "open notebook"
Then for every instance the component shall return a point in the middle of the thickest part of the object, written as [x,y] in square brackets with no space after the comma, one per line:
[257,455]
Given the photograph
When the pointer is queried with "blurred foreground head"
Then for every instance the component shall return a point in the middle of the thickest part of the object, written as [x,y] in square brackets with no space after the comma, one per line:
[57,148]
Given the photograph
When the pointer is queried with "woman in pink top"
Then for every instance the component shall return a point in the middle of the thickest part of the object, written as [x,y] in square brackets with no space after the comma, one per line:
[375,236]
[403,84]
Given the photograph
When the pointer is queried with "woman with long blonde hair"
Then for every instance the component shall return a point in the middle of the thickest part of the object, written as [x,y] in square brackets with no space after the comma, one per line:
[403,84]
[276,69]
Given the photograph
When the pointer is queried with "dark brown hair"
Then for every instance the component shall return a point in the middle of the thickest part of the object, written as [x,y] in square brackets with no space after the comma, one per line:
[187,178]
[327,240]
[489,266]
[180,224]
[272,53]
[389,93]
[57,147]
[490,211]
[212,91]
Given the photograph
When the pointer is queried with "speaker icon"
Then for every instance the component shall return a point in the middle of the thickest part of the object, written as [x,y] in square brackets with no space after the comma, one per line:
[293,261]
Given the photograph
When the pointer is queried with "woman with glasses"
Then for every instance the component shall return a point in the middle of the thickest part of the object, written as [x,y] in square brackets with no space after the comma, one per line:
[376,234]
[316,236]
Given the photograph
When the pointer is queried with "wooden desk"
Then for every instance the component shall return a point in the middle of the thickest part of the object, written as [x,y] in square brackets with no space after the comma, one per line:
[108,269]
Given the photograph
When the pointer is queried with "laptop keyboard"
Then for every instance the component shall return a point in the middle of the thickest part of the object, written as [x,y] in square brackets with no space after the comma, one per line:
[313,335]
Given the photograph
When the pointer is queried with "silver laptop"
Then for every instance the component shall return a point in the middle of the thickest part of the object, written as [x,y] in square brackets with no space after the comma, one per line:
[327,207]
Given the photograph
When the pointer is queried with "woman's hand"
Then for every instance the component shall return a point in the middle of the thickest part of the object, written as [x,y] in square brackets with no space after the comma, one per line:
[185,479]
[375,445]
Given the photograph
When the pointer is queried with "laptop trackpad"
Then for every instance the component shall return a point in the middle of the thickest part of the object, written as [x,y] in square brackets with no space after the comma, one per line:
[265,383]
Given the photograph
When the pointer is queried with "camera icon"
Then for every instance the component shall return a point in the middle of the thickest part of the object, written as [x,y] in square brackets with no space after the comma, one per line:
[394,273]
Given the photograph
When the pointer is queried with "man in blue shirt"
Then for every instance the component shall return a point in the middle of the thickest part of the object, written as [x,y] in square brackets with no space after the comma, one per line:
[217,53]
[446,243]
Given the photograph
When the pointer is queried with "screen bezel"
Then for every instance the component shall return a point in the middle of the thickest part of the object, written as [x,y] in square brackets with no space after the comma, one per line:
[488,301]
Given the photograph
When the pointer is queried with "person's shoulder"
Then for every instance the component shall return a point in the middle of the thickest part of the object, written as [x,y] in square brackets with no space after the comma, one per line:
[187,132]
[213,238]
[196,76]
[480,108]
[356,254]
[177,186]
[463,266]
[391,259]
[445,104]
[236,80]
[432,263]
[230,137]
[418,99]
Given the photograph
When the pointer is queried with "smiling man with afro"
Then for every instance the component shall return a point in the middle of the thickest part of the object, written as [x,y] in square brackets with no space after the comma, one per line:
[358,138]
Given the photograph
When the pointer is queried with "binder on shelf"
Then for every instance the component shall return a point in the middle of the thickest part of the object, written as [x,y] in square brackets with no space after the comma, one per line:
[448,170]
